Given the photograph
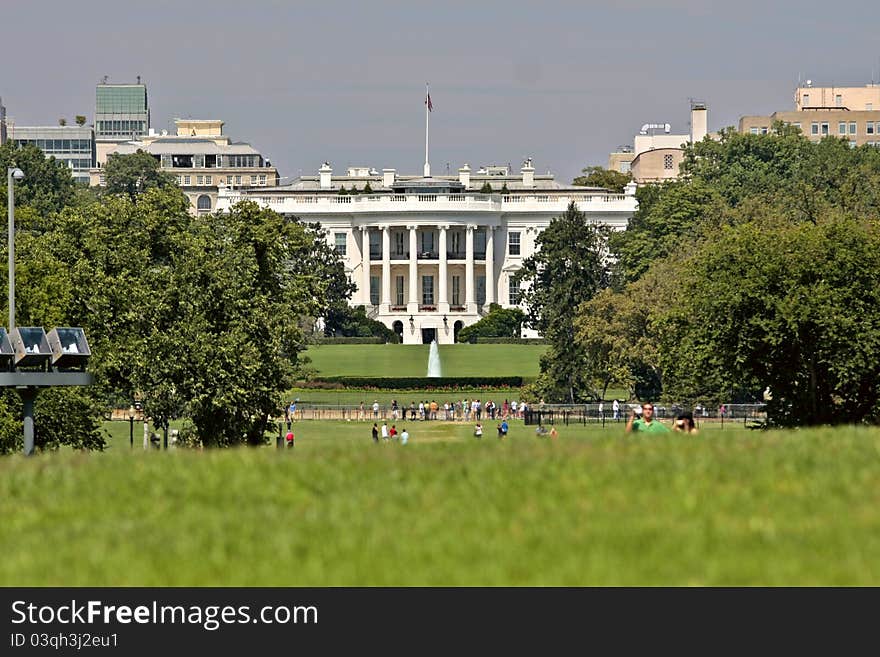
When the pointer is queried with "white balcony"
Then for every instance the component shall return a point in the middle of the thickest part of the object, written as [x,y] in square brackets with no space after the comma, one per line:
[395,203]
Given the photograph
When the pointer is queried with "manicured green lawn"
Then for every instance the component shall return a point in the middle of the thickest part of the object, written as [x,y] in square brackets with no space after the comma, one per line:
[729,507]
[412,360]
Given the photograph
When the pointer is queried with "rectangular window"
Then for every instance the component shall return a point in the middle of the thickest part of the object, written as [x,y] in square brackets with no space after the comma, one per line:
[806,102]
[513,243]
[667,162]
[481,290]
[375,245]
[456,290]
[869,107]
[200,180]
[229,180]
[427,290]
[764,131]
[253,180]
[186,180]
[838,100]
[754,130]
[179,180]
[625,167]
[398,288]
[825,128]
[427,237]
[852,127]
[457,250]
[814,128]
[869,128]
[513,293]
[209,180]
[341,243]
[263,180]
[841,128]
[797,125]
[400,243]
[374,290]
[238,180]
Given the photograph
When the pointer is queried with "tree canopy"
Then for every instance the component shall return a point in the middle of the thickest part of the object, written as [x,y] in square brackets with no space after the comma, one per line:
[498,323]
[596,176]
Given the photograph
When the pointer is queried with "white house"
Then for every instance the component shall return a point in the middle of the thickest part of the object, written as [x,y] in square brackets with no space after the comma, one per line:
[429,254]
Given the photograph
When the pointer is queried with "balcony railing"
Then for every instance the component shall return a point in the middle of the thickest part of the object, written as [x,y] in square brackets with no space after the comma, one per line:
[456,255]
[427,308]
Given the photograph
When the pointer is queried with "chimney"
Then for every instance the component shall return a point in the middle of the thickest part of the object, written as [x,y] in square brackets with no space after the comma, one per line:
[464,175]
[630,188]
[388,176]
[699,122]
[325,172]
[528,173]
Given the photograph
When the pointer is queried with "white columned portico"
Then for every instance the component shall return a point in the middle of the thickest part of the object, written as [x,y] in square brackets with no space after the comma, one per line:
[365,265]
[413,306]
[490,265]
[442,297]
[386,267]
[469,291]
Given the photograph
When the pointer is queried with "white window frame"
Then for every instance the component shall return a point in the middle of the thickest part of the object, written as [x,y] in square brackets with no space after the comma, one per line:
[514,243]
[341,246]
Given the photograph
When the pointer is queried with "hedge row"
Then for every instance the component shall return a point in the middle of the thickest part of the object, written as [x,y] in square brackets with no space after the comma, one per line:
[416,382]
[352,340]
[484,340]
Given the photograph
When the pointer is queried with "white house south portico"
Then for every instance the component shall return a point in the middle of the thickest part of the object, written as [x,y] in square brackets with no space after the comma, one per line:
[429,254]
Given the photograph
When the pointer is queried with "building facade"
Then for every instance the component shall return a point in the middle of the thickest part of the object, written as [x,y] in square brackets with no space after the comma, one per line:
[202,159]
[73,145]
[429,254]
[656,154]
[851,113]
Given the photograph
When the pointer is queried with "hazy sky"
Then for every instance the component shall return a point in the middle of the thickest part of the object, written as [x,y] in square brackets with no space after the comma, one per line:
[563,82]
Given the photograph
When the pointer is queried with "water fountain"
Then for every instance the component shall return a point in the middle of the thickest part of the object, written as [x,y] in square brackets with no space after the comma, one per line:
[434,360]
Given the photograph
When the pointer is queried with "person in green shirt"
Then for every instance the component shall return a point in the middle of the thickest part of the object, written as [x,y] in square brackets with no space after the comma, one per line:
[646,423]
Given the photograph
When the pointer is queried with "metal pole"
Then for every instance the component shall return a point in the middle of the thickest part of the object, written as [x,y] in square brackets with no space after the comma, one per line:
[131,431]
[10,195]
[28,395]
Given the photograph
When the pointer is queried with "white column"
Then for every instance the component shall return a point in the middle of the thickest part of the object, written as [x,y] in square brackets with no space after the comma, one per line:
[413,271]
[386,268]
[365,265]
[490,264]
[469,290]
[442,298]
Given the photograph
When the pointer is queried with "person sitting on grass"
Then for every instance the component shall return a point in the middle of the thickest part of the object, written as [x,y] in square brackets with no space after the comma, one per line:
[289,438]
[478,430]
[404,436]
[540,430]
[554,434]
[647,423]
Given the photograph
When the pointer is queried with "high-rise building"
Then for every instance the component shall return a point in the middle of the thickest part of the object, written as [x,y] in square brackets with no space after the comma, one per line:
[122,114]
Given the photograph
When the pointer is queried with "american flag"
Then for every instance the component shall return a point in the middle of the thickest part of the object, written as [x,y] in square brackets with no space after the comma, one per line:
[428,103]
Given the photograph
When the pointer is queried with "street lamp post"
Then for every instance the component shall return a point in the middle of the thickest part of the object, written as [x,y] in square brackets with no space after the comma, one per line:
[13,174]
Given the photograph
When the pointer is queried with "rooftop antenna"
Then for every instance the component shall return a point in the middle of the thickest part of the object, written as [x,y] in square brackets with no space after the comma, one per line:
[139,79]
[104,79]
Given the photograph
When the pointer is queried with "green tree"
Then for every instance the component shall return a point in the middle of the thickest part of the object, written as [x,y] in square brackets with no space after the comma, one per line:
[80,120]
[567,269]
[486,188]
[343,320]
[504,189]
[135,173]
[342,191]
[47,186]
[613,181]
[790,305]
[498,323]
[368,189]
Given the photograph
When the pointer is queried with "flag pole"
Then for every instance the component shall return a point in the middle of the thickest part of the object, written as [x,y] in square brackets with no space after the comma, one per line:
[427,112]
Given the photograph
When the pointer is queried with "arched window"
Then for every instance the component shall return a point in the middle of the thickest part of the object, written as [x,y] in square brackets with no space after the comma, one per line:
[203,204]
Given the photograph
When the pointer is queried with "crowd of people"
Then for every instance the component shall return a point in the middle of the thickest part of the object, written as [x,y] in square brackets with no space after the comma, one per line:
[462,410]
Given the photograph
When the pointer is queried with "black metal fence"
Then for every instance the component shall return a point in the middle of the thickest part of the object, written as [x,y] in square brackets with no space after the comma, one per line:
[595,413]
